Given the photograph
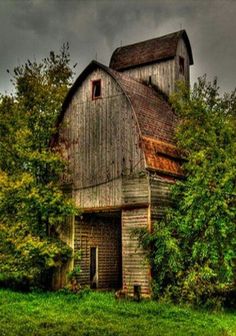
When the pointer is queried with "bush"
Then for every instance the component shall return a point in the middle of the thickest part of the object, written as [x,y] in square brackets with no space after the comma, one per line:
[192,249]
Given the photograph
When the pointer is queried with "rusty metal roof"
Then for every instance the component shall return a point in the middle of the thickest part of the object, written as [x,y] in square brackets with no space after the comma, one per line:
[162,157]
[149,51]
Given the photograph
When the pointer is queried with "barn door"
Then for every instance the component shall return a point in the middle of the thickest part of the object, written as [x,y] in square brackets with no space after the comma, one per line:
[93,267]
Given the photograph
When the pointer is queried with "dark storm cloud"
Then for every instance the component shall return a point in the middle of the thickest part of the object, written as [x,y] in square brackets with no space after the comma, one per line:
[30,29]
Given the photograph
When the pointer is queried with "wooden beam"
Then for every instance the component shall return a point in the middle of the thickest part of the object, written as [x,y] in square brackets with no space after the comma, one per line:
[115,208]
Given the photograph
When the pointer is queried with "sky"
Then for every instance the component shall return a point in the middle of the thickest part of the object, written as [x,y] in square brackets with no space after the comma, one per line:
[30,29]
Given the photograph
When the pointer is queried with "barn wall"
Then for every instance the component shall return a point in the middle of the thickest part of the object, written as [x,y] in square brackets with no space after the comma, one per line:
[136,269]
[160,196]
[100,140]
[162,74]
[105,195]
[105,234]
[182,51]
[135,189]
[132,189]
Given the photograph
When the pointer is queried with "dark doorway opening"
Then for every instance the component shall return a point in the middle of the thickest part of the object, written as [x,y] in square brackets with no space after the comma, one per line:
[93,267]
[98,237]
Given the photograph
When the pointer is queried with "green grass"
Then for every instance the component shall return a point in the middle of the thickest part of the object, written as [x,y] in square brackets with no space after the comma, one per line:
[96,313]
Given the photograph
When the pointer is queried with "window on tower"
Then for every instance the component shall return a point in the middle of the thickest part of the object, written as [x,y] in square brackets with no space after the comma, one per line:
[181,65]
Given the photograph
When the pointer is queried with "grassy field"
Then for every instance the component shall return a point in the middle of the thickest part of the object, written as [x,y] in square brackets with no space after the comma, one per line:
[95,313]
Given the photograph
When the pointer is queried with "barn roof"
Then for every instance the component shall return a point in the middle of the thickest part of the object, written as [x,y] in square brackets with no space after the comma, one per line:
[149,51]
[162,157]
[154,116]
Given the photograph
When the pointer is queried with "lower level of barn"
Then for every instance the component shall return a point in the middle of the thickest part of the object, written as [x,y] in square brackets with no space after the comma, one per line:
[111,257]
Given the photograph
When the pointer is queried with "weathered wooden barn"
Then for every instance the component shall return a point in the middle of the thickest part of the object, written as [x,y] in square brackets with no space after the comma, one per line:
[116,130]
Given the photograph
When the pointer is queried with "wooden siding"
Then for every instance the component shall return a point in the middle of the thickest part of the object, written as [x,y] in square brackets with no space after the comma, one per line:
[136,270]
[135,189]
[183,52]
[100,139]
[162,74]
[105,234]
[160,196]
[105,195]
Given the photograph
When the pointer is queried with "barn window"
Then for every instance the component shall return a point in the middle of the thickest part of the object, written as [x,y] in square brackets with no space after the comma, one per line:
[96,89]
[149,80]
[181,65]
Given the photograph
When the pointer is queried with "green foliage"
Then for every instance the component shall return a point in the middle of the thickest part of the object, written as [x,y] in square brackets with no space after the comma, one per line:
[99,314]
[73,275]
[192,250]
[33,207]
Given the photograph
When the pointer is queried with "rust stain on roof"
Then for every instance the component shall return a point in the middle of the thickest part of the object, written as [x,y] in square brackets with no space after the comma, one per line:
[162,157]
[149,51]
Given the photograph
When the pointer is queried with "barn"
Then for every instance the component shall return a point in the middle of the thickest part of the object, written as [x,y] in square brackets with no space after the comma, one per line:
[116,130]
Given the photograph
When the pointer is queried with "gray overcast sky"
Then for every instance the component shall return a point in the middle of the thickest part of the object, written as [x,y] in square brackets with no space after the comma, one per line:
[31,28]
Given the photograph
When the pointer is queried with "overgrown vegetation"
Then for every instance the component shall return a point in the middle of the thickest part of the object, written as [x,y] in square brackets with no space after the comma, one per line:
[193,249]
[99,314]
[32,205]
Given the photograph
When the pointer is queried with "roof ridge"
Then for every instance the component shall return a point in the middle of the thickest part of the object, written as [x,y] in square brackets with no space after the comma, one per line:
[151,39]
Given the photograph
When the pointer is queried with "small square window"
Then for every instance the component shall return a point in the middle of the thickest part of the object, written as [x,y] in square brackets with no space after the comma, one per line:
[181,65]
[96,89]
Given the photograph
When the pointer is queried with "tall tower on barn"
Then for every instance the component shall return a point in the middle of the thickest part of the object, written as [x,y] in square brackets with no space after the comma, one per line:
[160,62]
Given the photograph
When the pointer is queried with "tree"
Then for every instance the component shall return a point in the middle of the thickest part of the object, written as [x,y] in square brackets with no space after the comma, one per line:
[193,247]
[32,204]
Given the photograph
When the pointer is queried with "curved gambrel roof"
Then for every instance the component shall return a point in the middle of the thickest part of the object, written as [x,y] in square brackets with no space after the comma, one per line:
[154,116]
[149,51]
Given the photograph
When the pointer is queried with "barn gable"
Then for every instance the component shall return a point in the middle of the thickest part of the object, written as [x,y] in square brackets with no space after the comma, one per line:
[116,130]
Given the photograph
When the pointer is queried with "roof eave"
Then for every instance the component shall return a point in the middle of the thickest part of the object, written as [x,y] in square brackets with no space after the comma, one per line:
[188,45]
[165,172]
[144,63]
